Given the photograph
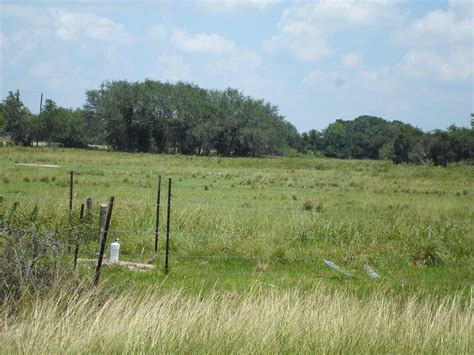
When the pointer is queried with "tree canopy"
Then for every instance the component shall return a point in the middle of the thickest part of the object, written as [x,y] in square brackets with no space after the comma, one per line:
[154,116]
[181,117]
[368,137]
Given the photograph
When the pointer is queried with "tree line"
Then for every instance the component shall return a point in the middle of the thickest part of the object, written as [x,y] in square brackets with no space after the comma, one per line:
[153,116]
[368,137]
[53,125]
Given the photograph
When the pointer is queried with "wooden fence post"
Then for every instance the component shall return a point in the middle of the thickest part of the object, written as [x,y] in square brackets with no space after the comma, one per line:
[103,241]
[89,205]
[102,216]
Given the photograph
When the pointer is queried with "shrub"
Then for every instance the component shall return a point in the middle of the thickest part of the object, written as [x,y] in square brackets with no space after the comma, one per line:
[308,205]
[30,261]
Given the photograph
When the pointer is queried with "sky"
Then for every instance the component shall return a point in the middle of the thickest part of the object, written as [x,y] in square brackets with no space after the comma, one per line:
[318,61]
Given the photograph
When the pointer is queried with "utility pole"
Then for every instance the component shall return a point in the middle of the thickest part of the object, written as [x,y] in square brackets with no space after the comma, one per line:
[41,103]
[41,110]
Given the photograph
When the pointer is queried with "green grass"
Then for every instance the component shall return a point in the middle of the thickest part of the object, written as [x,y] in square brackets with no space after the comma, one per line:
[264,222]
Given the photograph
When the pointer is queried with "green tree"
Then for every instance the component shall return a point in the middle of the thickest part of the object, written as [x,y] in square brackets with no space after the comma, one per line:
[49,122]
[408,145]
[3,121]
[438,149]
[335,140]
[18,118]
[461,143]
[74,130]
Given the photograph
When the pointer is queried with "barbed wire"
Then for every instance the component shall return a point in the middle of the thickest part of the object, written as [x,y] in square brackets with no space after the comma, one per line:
[188,236]
[250,208]
[177,236]
[127,199]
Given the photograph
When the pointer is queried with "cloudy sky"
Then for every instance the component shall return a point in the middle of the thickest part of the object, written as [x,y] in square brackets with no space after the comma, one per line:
[316,60]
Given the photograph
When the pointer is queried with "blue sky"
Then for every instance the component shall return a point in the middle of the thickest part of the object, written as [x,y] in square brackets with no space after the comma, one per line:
[316,60]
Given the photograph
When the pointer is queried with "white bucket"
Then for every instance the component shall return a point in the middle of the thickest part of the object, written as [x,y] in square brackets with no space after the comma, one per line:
[114,251]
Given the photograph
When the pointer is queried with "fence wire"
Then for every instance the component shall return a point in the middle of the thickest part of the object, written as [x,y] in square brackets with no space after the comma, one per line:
[245,206]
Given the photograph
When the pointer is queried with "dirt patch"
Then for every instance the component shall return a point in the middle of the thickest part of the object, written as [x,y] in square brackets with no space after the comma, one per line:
[39,165]
[127,264]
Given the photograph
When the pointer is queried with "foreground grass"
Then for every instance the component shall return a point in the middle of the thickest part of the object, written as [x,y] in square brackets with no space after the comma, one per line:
[254,321]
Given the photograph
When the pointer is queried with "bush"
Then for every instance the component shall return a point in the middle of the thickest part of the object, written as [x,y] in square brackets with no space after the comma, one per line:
[30,261]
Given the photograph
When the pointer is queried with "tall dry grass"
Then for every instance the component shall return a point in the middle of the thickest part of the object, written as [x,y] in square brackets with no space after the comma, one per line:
[269,322]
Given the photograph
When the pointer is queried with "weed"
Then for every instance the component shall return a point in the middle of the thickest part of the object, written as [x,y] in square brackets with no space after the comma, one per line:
[319,207]
[428,255]
[261,266]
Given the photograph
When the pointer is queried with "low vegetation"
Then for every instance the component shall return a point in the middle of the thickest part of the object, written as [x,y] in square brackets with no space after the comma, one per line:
[252,322]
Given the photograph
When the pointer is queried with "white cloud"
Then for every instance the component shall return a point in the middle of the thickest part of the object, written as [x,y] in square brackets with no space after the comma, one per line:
[172,67]
[439,44]
[237,61]
[210,43]
[384,80]
[307,44]
[3,42]
[305,27]
[158,32]
[3,39]
[318,78]
[73,25]
[231,6]
[227,54]
[23,42]
[462,8]
[440,28]
[454,66]
[55,74]
[352,60]
[23,13]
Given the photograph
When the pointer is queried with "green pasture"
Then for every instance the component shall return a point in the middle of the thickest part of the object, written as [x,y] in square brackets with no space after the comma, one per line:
[270,222]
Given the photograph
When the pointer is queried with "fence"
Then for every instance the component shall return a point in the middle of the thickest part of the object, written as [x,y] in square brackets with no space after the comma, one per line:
[104,229]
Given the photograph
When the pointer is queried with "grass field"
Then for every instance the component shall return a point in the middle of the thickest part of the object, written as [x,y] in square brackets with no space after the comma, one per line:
[248,239]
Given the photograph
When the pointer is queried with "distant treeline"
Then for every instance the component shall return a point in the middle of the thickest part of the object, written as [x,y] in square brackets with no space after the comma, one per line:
[368,137]
[152,116]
